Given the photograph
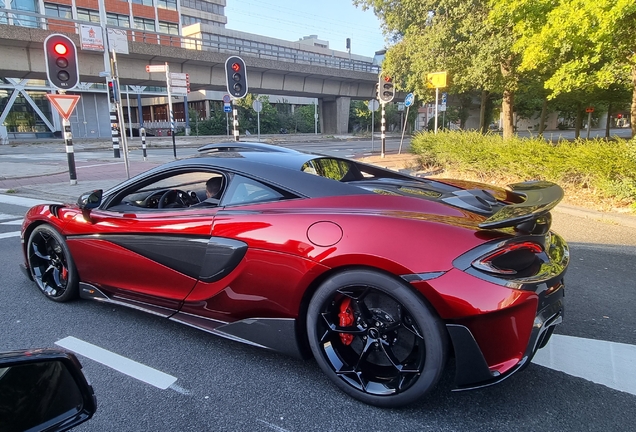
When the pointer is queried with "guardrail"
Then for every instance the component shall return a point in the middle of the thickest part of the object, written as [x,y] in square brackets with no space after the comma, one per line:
[66,25]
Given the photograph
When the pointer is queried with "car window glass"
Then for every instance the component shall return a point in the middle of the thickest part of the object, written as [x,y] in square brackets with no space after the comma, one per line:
[243,190]
[188,189]
[335,169]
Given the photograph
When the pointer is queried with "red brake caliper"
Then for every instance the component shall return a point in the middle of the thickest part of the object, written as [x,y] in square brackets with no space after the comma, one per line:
[346,320]
[64,273]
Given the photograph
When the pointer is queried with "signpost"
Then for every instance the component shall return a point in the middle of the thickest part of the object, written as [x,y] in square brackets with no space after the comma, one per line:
[258,107]
[373,107]
[436,80]
[589,110]
[227,108]
[65,104]
[177,83]
[408,101]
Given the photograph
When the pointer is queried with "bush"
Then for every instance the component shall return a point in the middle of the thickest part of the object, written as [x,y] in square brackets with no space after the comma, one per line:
[606,167]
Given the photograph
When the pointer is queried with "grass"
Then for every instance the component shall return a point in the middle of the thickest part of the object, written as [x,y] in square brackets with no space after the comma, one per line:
[597,173]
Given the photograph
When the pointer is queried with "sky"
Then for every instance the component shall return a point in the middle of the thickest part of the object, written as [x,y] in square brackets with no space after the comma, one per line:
[331,20]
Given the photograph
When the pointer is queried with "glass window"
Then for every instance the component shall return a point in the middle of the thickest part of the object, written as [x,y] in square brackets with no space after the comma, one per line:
[56,10]
[168,28]
[145,24]
[243,190]
[117,20]
[167,4]
[143,2]
[88,15]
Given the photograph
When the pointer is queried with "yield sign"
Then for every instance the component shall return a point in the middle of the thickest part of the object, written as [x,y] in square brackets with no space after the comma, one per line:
[64,104]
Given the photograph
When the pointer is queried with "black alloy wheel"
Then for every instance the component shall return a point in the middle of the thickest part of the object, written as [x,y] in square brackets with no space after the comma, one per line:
[51,264]
[375,338]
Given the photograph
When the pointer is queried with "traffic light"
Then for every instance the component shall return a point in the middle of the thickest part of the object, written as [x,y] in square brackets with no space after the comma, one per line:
[60,56]
[386,89]
[236,76]
[113,94]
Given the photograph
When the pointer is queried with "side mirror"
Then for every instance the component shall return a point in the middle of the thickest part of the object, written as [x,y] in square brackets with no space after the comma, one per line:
[90,200]
[43,390]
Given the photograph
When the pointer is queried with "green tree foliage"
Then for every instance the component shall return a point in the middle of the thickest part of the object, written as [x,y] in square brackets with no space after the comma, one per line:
[451,35]
[581,45]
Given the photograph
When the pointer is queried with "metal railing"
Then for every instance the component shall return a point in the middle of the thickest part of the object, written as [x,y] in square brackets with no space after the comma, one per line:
[66,25]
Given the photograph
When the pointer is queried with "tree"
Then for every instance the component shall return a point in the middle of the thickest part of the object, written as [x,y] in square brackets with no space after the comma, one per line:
[582,45]
[452,35]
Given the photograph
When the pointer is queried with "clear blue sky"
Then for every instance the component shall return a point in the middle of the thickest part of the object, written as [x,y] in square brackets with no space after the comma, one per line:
[331,20]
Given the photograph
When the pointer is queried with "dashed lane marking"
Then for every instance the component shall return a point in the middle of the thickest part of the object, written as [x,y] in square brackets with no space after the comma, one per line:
[608,363]
[122,364]
[10,234]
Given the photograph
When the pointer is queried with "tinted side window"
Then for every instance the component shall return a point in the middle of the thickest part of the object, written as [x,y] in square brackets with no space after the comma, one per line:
[335,169]
[243,190]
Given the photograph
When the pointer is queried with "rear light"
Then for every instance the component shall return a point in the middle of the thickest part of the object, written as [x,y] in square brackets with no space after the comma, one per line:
[512,259]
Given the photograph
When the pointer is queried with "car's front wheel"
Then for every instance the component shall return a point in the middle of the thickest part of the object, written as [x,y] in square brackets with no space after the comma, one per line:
[51,264]
[375,338]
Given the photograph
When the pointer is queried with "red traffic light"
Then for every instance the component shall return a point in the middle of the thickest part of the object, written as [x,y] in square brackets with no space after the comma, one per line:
[387,78]
[60,49]
[236,67]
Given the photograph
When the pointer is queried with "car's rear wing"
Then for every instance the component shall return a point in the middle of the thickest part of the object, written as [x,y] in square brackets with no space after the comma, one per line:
[538,198]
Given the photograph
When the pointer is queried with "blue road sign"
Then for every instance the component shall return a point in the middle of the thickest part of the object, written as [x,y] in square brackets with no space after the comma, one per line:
[409,99]
[227,108]
[444,97]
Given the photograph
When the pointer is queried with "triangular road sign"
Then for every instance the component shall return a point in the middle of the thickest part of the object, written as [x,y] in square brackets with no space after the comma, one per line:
[64,104]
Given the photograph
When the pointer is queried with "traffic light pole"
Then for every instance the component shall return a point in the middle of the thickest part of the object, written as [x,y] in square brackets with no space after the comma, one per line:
[235,121]
[383,131]
[120,111]
[114,128]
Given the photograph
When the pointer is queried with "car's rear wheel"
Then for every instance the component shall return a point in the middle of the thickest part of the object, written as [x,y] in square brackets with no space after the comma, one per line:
[51,264]
[375,338]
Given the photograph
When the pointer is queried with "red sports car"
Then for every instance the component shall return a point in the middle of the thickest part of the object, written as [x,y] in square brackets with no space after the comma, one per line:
[380,275]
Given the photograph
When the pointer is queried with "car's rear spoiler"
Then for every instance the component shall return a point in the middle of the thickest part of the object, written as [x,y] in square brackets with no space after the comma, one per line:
[539,197]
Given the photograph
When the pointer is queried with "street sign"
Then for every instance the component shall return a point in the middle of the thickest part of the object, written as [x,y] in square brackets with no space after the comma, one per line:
[64,104]
[227,107]
[178,83]
[156,68]
[178,76]
[589,109]
[401,106]
[436,80]
[226,98]
[257,105]
[409,99]
[179,90]
[373,105]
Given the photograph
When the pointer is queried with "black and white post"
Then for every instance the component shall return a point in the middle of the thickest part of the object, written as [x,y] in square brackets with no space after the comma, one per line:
[235,121]
[142,132]
[114,129]
[70,154]
[383,131]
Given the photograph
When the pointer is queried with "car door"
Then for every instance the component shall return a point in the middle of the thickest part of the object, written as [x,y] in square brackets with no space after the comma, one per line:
[144,255]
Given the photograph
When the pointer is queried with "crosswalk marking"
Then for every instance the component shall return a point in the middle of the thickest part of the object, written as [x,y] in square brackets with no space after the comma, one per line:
[599,361]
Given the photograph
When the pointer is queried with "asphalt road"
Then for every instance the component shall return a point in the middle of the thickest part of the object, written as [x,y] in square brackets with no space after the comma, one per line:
[222,385]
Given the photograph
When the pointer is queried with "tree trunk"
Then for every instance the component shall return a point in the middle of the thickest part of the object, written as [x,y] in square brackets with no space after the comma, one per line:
[482,111]
[506,109]
[608,122]
[544,114]
[579,122]
[632,119]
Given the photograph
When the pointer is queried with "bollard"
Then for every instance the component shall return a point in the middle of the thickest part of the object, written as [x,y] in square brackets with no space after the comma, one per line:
[142,132]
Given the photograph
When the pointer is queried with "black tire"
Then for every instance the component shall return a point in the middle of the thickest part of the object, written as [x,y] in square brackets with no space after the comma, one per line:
[51,264]
[389,351]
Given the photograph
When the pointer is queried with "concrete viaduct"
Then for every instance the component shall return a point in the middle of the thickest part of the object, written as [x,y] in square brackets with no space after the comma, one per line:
[22,56]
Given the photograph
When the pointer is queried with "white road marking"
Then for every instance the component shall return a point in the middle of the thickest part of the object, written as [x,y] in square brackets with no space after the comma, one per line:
[21,201]
[602,362]
[119,363]
[98,165]
[13,222]
[10,234]
[4,216]
[273,426]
